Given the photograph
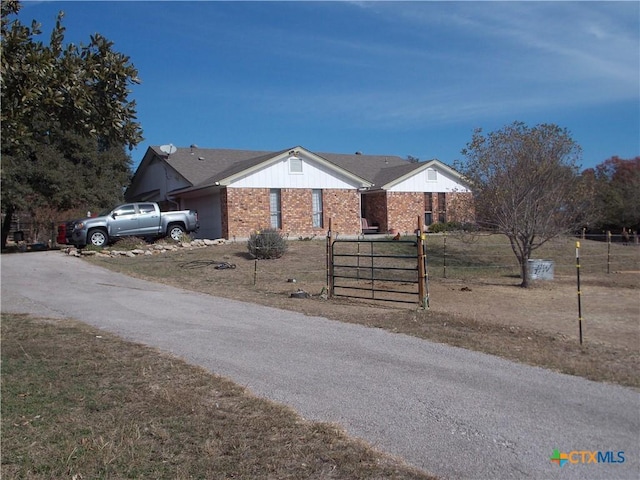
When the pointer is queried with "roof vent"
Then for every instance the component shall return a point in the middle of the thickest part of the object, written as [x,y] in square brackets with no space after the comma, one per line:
[358,152]
[192,146]
[201,159]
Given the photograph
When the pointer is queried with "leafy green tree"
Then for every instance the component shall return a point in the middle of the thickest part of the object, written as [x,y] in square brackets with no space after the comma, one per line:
[66,119]
[617,193]
[525,185]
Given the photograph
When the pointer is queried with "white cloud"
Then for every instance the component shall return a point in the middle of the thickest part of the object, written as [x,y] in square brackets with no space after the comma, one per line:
[585,48]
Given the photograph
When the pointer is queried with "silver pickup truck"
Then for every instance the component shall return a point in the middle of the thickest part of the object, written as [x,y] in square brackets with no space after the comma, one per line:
[131,220]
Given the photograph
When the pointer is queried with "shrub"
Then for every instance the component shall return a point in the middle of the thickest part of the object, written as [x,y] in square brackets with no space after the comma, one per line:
[266,244]
[438,227]
[452,227]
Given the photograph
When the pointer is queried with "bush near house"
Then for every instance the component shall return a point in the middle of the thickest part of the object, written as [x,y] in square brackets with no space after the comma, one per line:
[267,244]
[452,227]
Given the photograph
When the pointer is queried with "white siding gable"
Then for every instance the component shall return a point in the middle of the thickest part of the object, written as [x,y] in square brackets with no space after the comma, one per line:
[420,182]
[280,175]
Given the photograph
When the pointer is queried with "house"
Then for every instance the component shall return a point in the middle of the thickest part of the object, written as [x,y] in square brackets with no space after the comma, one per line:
[298,191]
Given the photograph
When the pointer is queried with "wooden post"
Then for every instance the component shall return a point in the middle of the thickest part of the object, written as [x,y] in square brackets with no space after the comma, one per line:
[329,262]
[423,292]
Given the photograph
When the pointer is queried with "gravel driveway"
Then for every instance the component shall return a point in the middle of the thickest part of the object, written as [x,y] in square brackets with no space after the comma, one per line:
[452,412]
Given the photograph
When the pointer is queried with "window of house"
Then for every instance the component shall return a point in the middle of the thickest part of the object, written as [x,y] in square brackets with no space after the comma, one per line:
[316,200]
[295,165]
[428,209]
[432,175]
[274,208]
[442,207]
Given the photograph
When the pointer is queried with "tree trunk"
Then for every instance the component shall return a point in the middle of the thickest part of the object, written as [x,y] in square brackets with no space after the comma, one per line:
[6,225]
[524,272]
[522,254]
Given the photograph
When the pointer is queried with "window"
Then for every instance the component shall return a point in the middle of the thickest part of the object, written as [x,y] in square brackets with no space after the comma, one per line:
[432,175]
[146,208]
[442,208]
[428,209]
[274,208]
[316,200]
[125,210]
[295,165]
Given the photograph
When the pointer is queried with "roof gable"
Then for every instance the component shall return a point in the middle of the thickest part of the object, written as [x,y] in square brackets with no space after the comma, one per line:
[393,179]
[205,167]
[249,166]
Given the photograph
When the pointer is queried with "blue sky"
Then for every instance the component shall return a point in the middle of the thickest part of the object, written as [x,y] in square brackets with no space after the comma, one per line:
[395,78]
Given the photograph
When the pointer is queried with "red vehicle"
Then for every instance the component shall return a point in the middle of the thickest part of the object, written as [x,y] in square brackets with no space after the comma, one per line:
[62,234]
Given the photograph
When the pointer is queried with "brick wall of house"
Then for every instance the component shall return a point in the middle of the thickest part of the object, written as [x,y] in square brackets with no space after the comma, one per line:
[247,210]
[375,209]
[297,212]
[403,210]
[224,213]
[343,208]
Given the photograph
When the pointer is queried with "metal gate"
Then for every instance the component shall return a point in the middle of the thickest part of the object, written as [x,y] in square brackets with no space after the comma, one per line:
[380,269]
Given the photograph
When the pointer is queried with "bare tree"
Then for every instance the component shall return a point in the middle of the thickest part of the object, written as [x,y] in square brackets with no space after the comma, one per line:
[526,185]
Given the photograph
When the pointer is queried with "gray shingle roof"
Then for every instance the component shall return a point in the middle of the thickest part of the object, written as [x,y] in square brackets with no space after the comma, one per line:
[198,164]
[378,169]
[206,166]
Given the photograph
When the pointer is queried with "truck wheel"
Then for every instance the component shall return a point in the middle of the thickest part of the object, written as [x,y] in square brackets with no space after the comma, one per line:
[98,238]
[175,232]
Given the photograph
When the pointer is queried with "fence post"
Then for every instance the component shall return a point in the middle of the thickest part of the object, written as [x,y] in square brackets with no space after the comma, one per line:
[373,280]
[329,262]
[579,292]
[444,256]
[358,261]
[608,251]
[255,261]
[423,292]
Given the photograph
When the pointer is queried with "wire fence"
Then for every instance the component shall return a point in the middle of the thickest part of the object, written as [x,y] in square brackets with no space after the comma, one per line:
[464,255]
